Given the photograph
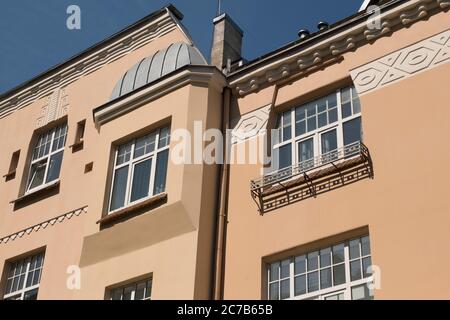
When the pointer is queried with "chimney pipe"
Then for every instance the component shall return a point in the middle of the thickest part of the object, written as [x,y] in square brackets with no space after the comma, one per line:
[227,42]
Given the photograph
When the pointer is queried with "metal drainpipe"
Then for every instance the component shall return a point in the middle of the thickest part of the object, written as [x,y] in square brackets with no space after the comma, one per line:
[223,197]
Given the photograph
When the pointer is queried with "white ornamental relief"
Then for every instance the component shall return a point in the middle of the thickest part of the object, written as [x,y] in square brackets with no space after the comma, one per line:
[251,124]
[56,106]
[403,63]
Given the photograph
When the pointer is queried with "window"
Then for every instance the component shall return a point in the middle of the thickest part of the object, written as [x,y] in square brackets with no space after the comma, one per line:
[339,272]
[47,158]
[140,169]
[318,129]
[135,291]
[23,278]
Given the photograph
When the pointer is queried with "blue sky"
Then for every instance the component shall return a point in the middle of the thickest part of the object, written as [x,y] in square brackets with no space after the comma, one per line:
[34,36]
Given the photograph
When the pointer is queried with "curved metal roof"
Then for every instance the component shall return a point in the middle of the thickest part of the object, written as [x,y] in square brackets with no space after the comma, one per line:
[152,68]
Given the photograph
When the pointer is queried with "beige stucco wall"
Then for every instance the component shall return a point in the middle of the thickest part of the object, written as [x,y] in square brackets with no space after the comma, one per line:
[405,207]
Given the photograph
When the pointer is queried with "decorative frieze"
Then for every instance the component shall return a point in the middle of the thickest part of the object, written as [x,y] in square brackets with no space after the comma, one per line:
[403,63]
[82,67]
[43,225]
[55,107]
[320,54]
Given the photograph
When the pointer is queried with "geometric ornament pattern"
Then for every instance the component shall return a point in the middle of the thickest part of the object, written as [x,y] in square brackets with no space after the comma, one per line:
[250,125]
[43,225]
[403,63]
[56,106]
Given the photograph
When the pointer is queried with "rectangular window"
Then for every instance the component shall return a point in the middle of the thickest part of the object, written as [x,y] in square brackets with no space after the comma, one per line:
[23,278]
[140,169]
[338,272]
[141,290]
[47,158]
[314,132]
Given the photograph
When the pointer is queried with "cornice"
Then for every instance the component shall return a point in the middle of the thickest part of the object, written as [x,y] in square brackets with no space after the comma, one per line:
[80,67]
[317,55]
[43,225]
[195,75]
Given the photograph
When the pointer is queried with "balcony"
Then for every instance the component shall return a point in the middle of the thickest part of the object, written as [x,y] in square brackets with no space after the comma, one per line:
[312,177]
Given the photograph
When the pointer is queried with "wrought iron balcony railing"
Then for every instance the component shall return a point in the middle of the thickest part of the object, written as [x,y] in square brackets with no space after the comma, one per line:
[304,172]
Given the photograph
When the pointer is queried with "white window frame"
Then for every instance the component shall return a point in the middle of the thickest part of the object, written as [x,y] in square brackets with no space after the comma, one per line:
[316,134]
[133,293]
[46,157]
[321,294]
[21,292]
[131,163]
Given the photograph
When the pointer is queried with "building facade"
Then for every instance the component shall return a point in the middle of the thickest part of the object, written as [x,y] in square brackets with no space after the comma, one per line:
[330,184]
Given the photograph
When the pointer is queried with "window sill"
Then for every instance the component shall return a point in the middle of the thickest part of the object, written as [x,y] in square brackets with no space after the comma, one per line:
[77,146]
[131,211]
[38,192]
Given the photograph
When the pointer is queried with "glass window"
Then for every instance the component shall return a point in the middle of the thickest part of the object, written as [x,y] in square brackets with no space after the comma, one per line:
[47,157]
[325,125]
[322,274]
[23,278]
[141,290]
[140,169]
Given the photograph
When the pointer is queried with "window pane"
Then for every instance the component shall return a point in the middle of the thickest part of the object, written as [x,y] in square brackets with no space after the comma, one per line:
[119,188]
[365,246]
[140,291]
[325,278]
[325,257]
[313,262]
[287,126]
[117,294]
[300,128]
[329,141]
[354,249]
[321,104]
[313,281]
[31,295]
[274,271]
[145,145]
[352,131]
[338,253]
[312,123]
[141,180]
[299,114]
[345,95]
[273,291]
[323,121]
[37,174]
[355,270]
[311,109]
[367,262]
[148,289]
[55,167]
[332,116]
[60,137]
[332,100]
[285,289]
[306,152]
[285,156]
[161,172]
[285,265]
[300,285]
[164,137]
[339,274]
[361,292]
[127,292]
[300,265]
[124,153]
[356,106]
[346,110]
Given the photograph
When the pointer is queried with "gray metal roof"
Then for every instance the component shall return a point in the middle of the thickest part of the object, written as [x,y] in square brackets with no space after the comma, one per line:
[151,69]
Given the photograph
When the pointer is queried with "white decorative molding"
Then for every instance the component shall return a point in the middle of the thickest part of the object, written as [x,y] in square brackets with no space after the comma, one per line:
[321,53]
[43,225]
[250,125]
[55,107]
[403,63]
[80,67]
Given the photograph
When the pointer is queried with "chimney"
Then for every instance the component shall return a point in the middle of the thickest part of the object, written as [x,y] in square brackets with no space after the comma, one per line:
[227,42]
